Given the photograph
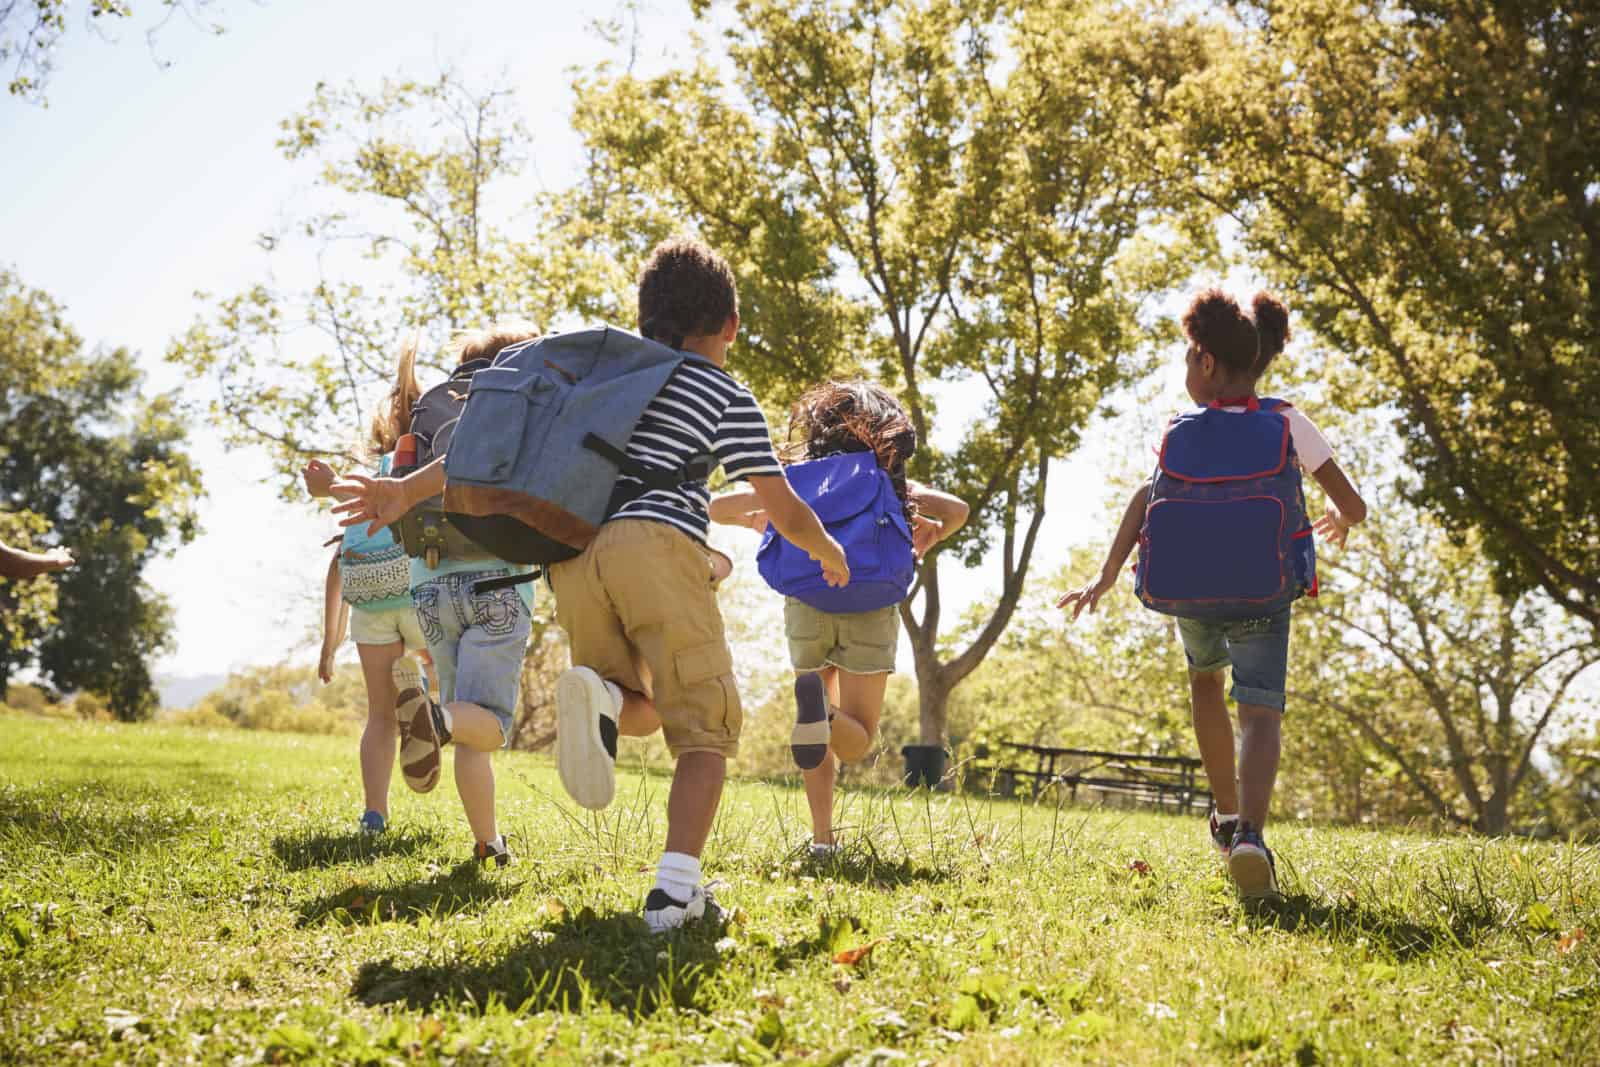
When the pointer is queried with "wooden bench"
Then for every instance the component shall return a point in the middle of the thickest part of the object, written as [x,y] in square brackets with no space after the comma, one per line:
[1167,781]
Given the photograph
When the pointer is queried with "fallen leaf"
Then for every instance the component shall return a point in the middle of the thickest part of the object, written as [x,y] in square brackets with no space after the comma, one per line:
[850,957]
[358,903]
[1139,867]
[1572,940]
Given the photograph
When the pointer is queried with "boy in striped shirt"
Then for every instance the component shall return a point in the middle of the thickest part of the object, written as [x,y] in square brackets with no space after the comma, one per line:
[639,605]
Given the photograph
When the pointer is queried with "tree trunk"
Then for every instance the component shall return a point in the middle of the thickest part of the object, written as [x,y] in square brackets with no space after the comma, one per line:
[933,708]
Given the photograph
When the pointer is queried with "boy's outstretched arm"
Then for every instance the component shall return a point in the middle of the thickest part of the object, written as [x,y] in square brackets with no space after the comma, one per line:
[739,508]
[1345,506]
[939,516]
[16,563]
[381,501]
[799,525]
[1116,559]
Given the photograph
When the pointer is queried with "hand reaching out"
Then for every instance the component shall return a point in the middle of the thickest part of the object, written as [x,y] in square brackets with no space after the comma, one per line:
[1088,596]
[56,559]
[319,477]
[375,501]
[1333,526]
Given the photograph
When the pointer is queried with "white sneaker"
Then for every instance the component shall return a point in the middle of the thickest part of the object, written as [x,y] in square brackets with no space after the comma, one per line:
[586,737]
[821,852]
[663,913]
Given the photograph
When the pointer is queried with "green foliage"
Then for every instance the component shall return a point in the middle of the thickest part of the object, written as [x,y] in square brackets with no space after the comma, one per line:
[953,198]
[173,895]
[105,467]
[284,699]
[1422,178]
[418,237]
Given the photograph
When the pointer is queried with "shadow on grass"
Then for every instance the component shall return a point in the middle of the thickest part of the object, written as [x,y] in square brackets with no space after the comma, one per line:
[572,965]
[305,851]
[860,864]
[1349,921]
[111,818]
[462,888]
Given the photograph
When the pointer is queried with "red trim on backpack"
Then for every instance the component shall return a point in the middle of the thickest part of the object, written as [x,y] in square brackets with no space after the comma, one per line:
[1249,403]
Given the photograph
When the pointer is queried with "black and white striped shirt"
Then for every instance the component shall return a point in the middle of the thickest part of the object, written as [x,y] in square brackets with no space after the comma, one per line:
[701,410]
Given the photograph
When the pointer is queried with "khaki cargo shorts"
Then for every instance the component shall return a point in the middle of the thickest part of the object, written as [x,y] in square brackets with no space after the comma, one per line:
[863,643]
[640,608]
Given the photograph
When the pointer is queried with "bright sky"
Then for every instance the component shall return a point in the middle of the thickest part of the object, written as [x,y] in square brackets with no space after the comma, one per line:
[137,186]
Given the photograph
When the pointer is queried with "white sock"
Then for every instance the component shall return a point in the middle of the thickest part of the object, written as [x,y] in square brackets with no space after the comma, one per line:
[1224,816]
[616,695]
[677,874]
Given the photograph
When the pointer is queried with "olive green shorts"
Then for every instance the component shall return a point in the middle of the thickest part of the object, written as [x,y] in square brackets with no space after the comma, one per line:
[861,644]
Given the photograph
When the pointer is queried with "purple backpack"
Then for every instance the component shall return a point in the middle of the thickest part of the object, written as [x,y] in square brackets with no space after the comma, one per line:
[1226,535]
[856,501]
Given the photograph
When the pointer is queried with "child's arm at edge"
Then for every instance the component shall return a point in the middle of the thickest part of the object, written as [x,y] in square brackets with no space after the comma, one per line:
[799,525]
[1121,548]
[1345,506]
[20,564]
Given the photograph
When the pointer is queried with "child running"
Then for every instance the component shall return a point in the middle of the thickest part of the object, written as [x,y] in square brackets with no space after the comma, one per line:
[475,638]
[1227,354]
[843,661]
[368,584]
[639,607]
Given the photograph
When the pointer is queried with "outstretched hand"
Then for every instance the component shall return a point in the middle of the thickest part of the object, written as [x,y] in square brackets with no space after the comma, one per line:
[1088,596]
[1333,526]
[56,559]
[319,477]
[375,501]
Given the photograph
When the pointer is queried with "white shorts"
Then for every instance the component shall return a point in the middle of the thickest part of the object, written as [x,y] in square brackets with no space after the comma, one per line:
[386,626]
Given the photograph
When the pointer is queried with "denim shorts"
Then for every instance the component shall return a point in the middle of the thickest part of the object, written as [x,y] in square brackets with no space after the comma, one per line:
[477,641]
[1257,649]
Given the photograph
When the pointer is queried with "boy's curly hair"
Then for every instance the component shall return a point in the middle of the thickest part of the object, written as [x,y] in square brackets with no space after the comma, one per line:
[837,417]
[1217,323]
[685,290]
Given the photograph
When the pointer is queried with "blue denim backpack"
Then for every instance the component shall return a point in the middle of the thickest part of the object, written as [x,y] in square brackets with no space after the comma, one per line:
[543,437]
[1226,534]
[856,501]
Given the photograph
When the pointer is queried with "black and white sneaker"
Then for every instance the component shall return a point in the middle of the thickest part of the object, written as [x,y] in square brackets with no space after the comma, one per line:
[1222,831]
[663,913]
[586,737]
[494,852]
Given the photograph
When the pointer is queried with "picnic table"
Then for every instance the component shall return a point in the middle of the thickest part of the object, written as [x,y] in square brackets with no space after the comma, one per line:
[1165,780]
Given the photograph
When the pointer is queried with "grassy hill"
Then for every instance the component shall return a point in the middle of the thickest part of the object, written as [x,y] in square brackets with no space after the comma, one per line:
[171,895]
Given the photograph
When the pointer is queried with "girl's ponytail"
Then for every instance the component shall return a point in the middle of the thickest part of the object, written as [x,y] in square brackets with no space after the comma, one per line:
[393,416]
[1272,328]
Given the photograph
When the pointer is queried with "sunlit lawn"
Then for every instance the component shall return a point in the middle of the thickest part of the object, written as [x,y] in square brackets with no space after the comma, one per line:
[171,895]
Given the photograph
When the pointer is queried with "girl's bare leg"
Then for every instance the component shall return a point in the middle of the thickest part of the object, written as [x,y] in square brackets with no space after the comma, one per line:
[380,739]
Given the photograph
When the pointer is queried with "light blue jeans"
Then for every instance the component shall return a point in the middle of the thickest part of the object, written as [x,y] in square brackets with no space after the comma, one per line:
[477,640]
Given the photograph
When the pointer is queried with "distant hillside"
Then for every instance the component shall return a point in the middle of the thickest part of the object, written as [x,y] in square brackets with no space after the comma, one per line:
[182,691]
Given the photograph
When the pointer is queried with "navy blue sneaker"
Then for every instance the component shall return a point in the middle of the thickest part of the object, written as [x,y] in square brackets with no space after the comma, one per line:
[373,822]
[1222,832]
[1251,865]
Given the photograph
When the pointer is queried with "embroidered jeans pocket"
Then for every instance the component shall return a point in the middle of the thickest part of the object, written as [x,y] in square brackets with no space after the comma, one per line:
[425,598]
[496,612]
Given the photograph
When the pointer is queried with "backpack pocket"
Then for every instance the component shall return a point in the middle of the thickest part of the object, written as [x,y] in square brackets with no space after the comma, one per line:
[502,413]
[1195,551]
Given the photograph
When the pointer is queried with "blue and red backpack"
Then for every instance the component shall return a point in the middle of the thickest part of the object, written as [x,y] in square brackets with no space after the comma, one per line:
[1226,535]
[856,501]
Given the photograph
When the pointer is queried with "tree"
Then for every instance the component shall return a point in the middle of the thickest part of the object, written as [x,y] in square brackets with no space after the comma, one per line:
[1423,176]
[31,30]
[106,469]
[417,237]
[1417,623]
[955,197]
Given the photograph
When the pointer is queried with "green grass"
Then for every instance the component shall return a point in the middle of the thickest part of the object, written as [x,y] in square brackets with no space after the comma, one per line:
[172,895]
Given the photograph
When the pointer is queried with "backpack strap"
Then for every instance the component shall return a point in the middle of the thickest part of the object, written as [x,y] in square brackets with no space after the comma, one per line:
[698,469]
